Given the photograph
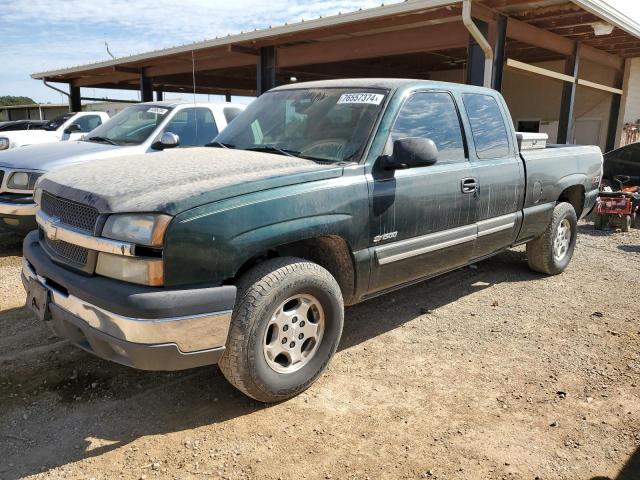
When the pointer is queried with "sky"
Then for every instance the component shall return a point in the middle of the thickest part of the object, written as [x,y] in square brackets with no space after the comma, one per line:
[42,35]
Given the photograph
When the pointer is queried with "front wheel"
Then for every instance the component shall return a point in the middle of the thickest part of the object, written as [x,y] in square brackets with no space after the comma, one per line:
[285,328]
[552,251]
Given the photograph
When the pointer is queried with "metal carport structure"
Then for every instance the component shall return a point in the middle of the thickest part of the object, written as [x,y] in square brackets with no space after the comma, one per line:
[416,39]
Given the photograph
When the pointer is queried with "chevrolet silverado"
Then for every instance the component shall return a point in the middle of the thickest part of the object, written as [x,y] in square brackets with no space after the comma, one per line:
[317,196]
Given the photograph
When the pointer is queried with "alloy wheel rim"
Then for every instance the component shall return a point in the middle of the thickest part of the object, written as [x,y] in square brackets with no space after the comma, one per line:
[294,333]
[562,240]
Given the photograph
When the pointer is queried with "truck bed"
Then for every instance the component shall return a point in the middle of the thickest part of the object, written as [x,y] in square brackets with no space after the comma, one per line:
[551,171]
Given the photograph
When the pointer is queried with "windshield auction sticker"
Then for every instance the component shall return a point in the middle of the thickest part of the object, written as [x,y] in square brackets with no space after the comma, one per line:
[368,98]
[157,110]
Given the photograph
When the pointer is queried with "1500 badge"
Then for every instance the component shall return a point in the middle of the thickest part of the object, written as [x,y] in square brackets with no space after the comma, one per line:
[384,236]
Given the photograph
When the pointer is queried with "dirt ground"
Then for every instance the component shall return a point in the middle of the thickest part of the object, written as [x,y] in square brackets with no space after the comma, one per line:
[489,372]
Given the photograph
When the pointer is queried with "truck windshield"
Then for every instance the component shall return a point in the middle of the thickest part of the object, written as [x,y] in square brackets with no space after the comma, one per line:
[131,126]
[325,124]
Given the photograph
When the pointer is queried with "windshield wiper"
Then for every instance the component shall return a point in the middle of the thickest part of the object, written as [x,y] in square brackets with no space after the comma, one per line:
[273,149]
[320,160]
[219,145]
[102,140]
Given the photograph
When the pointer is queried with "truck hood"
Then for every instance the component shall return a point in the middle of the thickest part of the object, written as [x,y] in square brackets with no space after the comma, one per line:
[27,137]
[176,180]
[48,156]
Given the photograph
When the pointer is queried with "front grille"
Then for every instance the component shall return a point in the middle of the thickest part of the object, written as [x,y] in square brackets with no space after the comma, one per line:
[72,214]
[82,217]
[1,177]
[72,253]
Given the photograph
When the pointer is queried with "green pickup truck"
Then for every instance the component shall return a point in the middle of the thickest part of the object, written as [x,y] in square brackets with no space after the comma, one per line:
[319,195]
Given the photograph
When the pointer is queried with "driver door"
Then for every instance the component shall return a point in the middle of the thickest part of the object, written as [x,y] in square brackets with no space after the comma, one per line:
[423,219]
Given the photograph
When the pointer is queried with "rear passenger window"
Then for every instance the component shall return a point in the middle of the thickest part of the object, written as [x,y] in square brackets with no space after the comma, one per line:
[432,115]
[487,125]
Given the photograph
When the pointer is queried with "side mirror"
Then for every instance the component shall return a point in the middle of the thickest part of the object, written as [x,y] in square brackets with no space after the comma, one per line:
[411,152]
[73,128]
[167,140]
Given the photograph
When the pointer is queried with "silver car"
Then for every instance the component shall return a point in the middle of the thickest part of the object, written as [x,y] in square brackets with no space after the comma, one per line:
[141,128]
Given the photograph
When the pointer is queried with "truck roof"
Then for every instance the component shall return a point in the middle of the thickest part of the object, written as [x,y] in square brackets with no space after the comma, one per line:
[386,83]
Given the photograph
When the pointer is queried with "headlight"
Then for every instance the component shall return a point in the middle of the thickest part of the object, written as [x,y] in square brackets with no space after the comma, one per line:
[4,143]
[23,180]
[144,229]
[143,271]
[37,196]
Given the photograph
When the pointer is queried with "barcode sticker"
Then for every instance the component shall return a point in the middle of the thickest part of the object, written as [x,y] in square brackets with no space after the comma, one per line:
[368,98]
[157,110]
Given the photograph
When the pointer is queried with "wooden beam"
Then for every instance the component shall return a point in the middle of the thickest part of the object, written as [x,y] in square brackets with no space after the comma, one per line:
[209,90]
[221,62]
[601,57]
[511,63]
[120,68]
[233,48]
[480,12]
[94,80]
[168,88]
[599,86]
[523,32]
[204,79]
[423,39]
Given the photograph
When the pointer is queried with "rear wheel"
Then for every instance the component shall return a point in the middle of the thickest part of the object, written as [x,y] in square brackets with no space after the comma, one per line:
[552,251]
[599,222]
[285,328]
[625,223]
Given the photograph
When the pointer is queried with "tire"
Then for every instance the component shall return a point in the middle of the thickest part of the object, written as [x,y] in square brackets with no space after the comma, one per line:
[634,220]
[598,222]
[625,223]
[282,285]
[541,255]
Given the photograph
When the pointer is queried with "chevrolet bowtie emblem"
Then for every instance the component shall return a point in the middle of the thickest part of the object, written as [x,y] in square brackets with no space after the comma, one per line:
[52,228]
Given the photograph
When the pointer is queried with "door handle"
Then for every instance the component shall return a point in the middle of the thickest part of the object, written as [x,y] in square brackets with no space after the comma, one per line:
[469,185]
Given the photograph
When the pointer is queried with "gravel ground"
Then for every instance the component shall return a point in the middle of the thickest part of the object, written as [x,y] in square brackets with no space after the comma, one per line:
[488,372]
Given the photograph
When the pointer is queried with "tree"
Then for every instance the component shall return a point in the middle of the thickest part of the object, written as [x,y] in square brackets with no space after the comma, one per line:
[11,100]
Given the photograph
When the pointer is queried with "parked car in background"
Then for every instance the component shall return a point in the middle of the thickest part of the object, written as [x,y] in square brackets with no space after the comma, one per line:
[622,161]
[70,126]
[141,128]
[22,125]
[319,195]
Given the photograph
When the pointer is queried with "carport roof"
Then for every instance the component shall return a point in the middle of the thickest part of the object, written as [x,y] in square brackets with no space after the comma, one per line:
[312,49]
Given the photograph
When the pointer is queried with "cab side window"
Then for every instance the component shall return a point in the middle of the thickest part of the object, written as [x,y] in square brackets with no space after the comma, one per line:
[194,126]
[432,115]
[487,126]
[88,123]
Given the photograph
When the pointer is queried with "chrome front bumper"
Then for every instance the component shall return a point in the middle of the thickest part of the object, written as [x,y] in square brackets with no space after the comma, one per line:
[17,209]
[187,341]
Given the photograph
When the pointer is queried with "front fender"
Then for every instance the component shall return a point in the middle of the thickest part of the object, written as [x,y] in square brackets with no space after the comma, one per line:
[210,243]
